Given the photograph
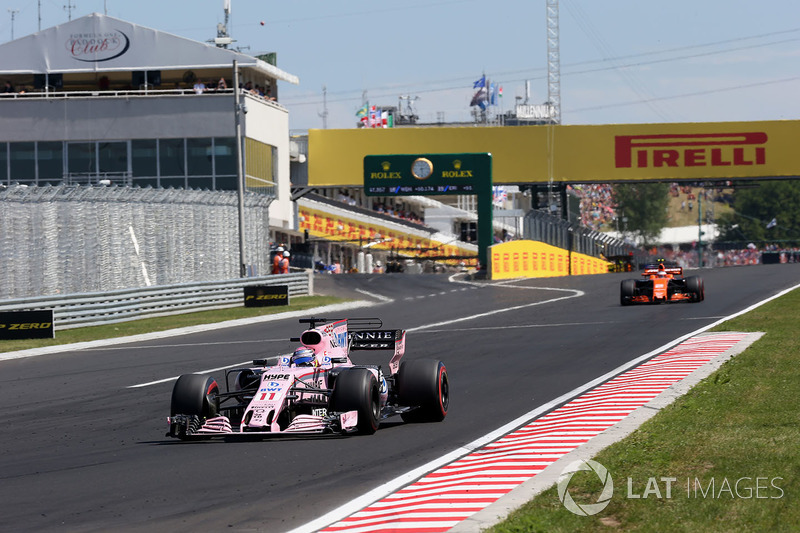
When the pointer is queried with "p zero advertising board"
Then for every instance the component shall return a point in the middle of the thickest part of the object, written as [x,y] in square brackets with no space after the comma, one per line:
[27,325]
[266,295]
[575,154]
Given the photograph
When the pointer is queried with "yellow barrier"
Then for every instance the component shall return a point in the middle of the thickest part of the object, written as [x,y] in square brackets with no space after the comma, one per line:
[533,259]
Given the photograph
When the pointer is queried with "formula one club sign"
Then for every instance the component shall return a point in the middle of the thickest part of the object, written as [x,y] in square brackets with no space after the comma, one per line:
[94,47]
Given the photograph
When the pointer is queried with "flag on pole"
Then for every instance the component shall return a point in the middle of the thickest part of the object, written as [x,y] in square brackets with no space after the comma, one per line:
[373,117]
[499,195]
[363,111]
[480,83]
[479,99]
[384,119]
[772,223]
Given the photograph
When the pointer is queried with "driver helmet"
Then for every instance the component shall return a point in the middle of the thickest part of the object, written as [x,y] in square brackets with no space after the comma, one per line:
[661,270]
[304,357]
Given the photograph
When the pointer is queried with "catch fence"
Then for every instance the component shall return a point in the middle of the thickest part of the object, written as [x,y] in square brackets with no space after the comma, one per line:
[81,239]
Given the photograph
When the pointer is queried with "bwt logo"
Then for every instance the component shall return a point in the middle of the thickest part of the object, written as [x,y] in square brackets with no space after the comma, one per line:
[690,150]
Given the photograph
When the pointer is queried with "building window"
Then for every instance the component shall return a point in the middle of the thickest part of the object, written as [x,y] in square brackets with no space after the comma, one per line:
[199,163]
[81,160]
[199,156]
[3,163]
[22,158]
[225,163]
[144,162]
[260,166]
[50,156]
[171,158]
[113,158]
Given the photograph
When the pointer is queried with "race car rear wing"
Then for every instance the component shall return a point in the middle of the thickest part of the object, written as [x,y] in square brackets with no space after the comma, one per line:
[375,339]
[381,339]
[675,271]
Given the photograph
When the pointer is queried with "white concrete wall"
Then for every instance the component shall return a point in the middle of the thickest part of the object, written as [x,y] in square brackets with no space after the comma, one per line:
[270,125]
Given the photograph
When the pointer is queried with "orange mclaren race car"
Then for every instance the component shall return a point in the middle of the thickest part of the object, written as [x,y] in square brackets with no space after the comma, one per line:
[662,283]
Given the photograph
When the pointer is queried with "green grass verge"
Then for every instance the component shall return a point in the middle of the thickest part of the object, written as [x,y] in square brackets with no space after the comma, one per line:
[147,325]
[741,422]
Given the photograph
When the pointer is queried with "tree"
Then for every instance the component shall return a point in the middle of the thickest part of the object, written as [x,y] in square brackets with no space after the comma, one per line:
[645,207]
[755,209]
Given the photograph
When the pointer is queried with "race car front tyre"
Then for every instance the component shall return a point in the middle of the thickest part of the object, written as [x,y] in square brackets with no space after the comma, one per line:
[423,383]
[694,285]
[356,389]
[194,394]
[627,290]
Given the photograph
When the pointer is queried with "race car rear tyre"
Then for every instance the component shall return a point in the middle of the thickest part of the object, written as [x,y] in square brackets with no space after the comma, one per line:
[356,389]
[194,394]
[694,284]
[423,383]
[627,290]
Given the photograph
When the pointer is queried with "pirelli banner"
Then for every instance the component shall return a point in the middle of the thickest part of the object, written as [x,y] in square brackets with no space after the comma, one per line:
[574,154]
[533,259]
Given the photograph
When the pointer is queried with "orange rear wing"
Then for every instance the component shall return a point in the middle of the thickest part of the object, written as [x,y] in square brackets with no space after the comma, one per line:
[674,271]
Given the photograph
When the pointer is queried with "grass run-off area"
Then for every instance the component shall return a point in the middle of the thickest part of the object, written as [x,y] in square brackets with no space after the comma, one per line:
[148,325]
[738,426]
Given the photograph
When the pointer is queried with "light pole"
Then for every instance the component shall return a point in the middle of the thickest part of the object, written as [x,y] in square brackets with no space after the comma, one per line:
[700,228]
[240,185]
[13,16]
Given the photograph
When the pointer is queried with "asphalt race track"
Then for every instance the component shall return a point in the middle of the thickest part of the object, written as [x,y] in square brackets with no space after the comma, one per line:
[83,451]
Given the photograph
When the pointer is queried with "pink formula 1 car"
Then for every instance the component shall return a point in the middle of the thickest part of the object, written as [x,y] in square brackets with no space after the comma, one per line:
[315,390]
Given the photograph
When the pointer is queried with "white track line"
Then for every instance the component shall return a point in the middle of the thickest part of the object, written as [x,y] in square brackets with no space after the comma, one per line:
[376,296]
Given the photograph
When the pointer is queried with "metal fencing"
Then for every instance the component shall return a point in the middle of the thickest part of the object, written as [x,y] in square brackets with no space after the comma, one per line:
[540,226]
[92,309]
[78,239]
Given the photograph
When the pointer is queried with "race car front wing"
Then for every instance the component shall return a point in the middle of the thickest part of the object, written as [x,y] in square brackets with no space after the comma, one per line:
[184,426]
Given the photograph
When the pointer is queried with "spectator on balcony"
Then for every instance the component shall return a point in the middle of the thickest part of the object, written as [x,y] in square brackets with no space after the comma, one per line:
[222,85]
[8,88]
[199,87]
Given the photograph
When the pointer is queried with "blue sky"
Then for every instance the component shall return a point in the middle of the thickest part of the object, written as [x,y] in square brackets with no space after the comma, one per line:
[622,61]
